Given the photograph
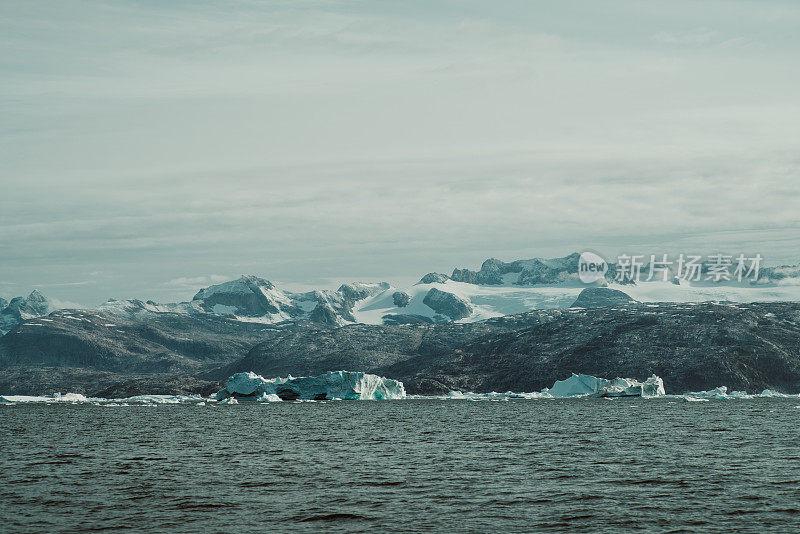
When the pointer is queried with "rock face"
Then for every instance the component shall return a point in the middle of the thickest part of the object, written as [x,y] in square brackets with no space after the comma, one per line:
[324,313]
[22,308]
[356,291]
[595,297]
[343,301]
[401,299]
[447,304]
[434,278]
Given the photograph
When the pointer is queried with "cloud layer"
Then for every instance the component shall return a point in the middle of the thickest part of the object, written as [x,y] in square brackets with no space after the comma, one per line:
[146,145]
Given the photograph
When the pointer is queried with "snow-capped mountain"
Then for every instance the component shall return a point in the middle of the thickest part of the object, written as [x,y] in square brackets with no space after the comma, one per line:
[22,308]
[255,299]
[498,288]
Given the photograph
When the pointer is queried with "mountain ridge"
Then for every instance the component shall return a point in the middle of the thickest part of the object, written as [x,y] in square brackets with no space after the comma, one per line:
[498,288]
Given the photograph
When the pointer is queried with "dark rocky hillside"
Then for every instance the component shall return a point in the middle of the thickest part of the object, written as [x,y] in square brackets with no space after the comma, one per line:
[166,343]
[692,347]
[28,380]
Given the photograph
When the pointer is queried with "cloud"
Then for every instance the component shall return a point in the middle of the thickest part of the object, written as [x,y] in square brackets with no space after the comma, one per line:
[319,140]
[57,304]
[693,37]
[196,281]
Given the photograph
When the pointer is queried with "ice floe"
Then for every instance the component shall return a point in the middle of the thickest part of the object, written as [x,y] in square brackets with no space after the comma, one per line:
[578,385]
[58,397]
[345,385]
[77,398]
[722,392]
[494,395]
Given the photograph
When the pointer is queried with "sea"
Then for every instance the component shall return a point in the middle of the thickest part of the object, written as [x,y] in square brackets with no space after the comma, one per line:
[413,465]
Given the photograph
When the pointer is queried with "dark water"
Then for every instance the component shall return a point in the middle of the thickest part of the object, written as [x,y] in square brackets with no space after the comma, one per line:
[579,465]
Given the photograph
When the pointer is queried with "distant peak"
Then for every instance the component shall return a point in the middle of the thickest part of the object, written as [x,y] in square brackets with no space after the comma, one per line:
[36,295]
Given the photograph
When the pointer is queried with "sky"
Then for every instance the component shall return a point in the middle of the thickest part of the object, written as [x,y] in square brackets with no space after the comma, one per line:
[151,148]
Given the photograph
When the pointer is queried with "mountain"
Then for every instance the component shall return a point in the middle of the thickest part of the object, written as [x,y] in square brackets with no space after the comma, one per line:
[254,299]
[166,343]
[692,347]
[249,296]
[510,325]
[595,297]
[22,308]
[521,272]
[498,288]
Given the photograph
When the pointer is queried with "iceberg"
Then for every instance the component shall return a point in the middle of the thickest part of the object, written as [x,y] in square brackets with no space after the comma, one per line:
[587,385]
[269,397]
[575,386]
[331,385]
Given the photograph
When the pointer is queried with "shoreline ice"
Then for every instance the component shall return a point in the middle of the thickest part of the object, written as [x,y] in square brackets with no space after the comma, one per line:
[343,385]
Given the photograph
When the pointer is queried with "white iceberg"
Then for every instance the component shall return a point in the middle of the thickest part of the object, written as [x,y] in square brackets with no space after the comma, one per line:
[331,385]
[587,385]
[269,397]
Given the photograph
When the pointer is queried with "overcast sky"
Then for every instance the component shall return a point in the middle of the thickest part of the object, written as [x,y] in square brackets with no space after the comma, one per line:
[150,148]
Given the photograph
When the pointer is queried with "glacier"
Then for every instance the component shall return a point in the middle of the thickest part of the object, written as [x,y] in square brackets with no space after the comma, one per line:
[331,385]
